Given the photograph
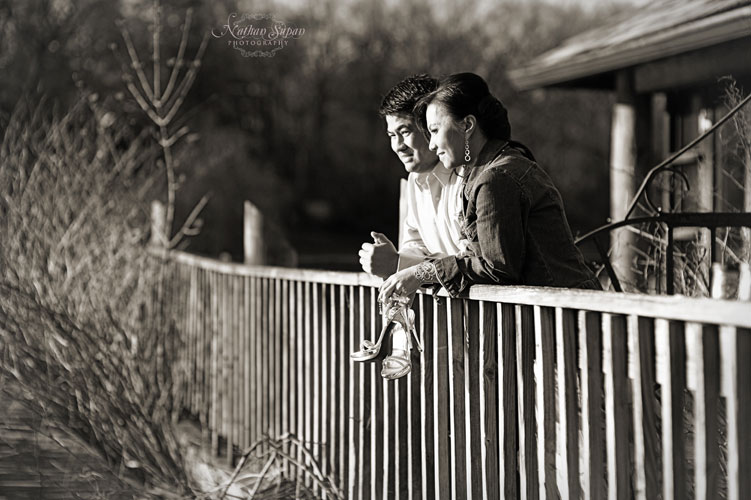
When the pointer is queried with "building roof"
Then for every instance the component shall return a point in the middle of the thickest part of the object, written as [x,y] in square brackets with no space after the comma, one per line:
[662,29]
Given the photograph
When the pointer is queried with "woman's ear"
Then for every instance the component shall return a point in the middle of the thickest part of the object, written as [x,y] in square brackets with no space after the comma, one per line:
[470,123]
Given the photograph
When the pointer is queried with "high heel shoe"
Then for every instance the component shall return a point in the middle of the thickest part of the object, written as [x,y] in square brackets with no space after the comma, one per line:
[368,349]
[398,363]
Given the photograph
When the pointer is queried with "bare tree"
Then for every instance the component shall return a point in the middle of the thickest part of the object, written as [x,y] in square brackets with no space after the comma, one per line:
[161,104]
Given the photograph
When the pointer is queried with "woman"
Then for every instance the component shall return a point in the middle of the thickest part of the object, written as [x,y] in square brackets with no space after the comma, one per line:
[513,214]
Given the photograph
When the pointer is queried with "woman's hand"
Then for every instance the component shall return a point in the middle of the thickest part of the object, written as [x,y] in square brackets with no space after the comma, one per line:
[404,283]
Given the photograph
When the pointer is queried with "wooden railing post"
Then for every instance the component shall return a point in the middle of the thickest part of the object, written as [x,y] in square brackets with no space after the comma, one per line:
[158,225]
[717,289]
[744,282]
[623,163]
[253,234]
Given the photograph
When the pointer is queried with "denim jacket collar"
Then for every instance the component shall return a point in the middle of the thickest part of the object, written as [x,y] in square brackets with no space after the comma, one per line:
[492,149]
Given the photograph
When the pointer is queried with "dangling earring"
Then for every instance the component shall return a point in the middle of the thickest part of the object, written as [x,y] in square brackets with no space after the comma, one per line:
[467,157]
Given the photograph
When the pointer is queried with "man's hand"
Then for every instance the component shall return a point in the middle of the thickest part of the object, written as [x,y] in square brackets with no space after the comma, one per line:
[379,258]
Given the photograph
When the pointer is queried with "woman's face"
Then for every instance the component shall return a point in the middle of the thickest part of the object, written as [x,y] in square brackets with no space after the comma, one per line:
[446,135]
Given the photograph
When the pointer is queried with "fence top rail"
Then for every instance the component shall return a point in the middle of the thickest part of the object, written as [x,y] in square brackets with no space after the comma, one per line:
[671,307]
[287,273]
[675,307]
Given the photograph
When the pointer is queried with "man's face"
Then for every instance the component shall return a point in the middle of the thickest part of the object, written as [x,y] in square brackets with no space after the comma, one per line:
[409,144]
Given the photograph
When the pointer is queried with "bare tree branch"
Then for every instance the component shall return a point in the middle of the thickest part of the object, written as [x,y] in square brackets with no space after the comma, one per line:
[135,62]
[179,60]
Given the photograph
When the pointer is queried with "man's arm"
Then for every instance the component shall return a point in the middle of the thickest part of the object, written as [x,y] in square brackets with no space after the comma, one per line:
[413,249]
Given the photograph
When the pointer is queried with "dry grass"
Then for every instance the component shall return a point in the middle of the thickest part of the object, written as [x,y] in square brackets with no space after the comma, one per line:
[85,325]
[691,276]
[81,322]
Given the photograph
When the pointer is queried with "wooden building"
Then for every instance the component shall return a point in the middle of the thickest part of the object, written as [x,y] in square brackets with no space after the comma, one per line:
[666,65]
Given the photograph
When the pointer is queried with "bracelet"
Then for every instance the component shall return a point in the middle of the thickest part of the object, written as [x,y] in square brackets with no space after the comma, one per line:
[426,272]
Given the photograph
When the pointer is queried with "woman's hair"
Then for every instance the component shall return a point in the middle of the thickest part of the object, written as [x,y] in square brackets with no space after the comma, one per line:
[465,94]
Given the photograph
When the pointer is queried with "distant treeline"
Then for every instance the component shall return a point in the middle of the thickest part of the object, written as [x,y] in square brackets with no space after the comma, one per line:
[298,133]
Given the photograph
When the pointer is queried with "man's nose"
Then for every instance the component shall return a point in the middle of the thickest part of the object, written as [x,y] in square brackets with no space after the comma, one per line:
[432,146]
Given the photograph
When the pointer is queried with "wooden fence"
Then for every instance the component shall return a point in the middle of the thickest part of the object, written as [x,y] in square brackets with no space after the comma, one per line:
[520,392]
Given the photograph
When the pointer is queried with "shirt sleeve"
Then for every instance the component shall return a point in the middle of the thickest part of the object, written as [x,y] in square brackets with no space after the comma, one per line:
[498,256]
[412,250]
[412,244]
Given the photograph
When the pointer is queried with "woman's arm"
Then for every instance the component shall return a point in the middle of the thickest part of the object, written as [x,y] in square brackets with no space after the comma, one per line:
[407,281]
[497,257]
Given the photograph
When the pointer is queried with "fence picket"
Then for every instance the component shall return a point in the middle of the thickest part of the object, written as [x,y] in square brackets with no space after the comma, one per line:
[729,389]
[743,409]
[662,369]
[635,376]
[277,343]
[566,337]
[236,373]
[487,373]
[427,394]
[258,360]
[595,405]
[363,473]
[508,435]
[695,383]
[545,353]
[521,382]
[308,356]
[375,464]
[354,450]
[216,346]
[317,444]
[441,408]
[334,408]
[677,396]
[456,395]
[287,424]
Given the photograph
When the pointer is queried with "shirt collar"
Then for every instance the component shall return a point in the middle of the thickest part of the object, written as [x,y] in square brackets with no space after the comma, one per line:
[439,173]
[442,174]
[422,180]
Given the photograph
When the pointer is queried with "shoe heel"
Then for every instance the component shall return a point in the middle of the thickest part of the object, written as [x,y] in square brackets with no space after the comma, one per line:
[369,350]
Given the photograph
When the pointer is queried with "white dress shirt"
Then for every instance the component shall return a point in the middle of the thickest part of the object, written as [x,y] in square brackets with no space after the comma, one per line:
[432,224]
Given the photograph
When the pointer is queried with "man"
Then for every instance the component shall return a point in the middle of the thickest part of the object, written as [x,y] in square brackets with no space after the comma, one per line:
[434,209]
[434,204]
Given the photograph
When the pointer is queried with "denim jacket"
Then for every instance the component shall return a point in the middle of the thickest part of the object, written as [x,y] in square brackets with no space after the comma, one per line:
[516,226]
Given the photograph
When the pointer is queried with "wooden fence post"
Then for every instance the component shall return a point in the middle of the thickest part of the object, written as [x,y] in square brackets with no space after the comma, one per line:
[717,288]
[622,173]
[253,234]
[744,282]
[158,224]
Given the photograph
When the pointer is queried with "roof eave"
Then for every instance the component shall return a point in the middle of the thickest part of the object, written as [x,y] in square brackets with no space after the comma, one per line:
[589,71]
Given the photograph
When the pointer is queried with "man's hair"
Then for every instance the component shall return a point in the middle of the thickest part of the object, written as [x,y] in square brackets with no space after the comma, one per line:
[403,96]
